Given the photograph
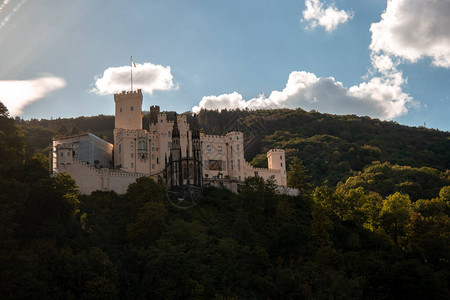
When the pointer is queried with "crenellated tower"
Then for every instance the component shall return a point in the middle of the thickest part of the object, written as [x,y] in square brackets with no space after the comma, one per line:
[128,110]
[131,142]
[277,161]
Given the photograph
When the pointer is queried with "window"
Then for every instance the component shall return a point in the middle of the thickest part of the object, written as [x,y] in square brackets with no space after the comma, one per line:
[157,160]
[132,165]
[237,148]
[169,145]
[132,154]
[62,154]
[121,109]
[219,149]
[131,108]
[153,147]
[120,148]
[237,138]
[232,165]
[153,156]
[224,165]
[169,134]
[239,164]
[153,166]
[132,146]
[281,164]
[142,144]
[281,157]
[208,149]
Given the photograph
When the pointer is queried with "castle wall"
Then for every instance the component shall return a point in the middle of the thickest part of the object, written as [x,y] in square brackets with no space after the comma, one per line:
[223,156]
[90,179]
[215,152]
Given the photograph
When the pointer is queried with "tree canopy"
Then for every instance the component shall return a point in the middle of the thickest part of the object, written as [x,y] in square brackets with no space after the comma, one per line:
[383,232]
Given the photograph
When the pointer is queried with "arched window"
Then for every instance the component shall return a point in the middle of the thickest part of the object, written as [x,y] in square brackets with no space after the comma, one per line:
[142,144]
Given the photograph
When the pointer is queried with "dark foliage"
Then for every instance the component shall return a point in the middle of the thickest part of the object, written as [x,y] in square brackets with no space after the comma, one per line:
[383,234]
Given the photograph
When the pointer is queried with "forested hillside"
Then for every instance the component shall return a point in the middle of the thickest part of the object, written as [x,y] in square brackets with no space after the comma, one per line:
[331,147]
[359,229]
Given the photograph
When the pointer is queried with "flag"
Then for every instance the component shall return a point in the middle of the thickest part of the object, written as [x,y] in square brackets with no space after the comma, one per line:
[134,65]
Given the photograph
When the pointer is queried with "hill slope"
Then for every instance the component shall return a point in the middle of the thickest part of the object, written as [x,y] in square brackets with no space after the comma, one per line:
[331,147]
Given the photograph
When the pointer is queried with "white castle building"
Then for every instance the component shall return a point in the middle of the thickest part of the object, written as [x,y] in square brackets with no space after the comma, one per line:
[167,150]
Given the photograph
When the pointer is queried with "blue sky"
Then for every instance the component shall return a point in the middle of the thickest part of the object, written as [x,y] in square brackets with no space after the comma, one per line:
[389,60]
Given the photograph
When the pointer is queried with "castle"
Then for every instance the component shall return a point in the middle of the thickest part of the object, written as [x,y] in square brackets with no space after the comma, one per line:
[168,150]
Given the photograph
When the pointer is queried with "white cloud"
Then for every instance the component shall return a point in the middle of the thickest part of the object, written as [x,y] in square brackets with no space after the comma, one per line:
[147,76]
[329,18]
[409,30]
[380,97]
[413,29]
[16,94]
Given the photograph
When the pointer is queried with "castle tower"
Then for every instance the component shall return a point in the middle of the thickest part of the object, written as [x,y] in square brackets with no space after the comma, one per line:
[277,161]
[154,112]
[197,154]
[128,110]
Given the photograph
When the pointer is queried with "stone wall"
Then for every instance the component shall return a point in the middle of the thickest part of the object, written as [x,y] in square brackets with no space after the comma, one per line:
[91,179]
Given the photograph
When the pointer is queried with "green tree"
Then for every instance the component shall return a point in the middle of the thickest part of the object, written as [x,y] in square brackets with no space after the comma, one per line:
[258,198]
[150,221]
[298,177]
[3,110]
[145,189]
[395,215]
[444,194]
[321,226]
[12,146]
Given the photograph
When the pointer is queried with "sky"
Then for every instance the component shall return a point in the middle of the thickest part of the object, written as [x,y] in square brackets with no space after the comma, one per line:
[384,59]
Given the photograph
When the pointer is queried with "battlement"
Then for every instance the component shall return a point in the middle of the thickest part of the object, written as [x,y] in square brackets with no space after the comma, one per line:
[128,95]
[275,151]
[235,133]
[249,167]
[161,118]
[223,138]
[210,137]
[140,132]
[64,146]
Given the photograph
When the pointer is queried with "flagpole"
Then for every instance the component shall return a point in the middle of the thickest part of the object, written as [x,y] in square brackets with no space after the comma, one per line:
[131,68]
